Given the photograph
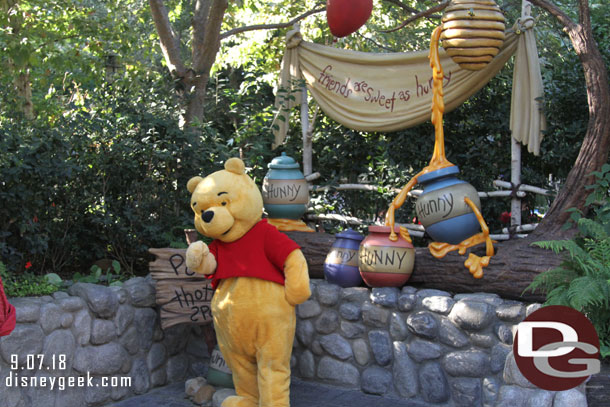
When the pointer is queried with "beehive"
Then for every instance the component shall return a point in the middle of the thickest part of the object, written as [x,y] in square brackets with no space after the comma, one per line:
[473,32]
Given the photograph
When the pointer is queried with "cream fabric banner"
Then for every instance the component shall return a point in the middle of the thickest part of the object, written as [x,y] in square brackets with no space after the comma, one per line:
[374,92]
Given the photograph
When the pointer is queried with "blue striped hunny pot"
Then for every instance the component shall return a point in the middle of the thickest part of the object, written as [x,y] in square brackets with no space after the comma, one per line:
[341,264]
[285,190]
[441,208]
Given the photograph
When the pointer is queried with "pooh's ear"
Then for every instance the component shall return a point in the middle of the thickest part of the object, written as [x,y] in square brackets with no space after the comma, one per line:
[192,184]
[235,165]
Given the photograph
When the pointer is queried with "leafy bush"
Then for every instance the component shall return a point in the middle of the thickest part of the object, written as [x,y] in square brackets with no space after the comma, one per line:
[26,284]
[582,280]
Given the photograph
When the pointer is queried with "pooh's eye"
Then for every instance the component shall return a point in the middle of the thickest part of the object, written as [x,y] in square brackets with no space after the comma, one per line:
[224,204]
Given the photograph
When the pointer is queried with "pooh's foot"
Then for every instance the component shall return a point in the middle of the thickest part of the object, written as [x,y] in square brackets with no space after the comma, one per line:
[238,401]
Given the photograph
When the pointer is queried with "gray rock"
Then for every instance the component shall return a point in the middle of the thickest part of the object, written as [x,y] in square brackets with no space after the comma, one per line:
[26,339]
[430,292]
[158,377]
[355,294]
[140,377]
[307,365]
[176,338]
[141,292]
[488,298]
[376,380]
[483,340]
[46,298]
[472,315]
[375,315]
[96,394]
[126,366]
[57,295]
[498,357]
[438,304]
[336,346]
[66,321]
[421,350]
[381,345]
[221,395]
[466,392]
[504,333]
[406,302]
[451,335]
[385,296]
[352,330]
[59,344]
[82,327]
[103,301]
[469,363]
[50,317]
[361,352]
[131,340]
[570,398]
[308,309]
[328,294]
[433,383]
[74,397]
[316,348]
[158,335]
[145,321]
[304,332]
[532,308]
[511,311]
[71,304]
[121,294]
[123,318]
[511,396]
[404,371]
[157,355]
[351,311]
[41,394]
[177,367]
[100,360]
[490,390]
[398,327]
[512,374]
[27,309]
[327,322]
[335,372]
[408,290]
[423,324]
[196,347]
[102,331]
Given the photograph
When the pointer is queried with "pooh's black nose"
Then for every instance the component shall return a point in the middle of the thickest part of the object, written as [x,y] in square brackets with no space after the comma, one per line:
[207,216]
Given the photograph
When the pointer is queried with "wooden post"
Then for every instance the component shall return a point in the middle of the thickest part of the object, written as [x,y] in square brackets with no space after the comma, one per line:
[515,179]
[307,144]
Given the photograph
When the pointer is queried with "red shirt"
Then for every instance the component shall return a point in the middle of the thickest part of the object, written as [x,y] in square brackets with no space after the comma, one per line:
[7,314]
[260,253]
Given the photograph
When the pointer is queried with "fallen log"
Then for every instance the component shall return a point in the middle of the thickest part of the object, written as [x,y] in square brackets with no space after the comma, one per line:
[510,271]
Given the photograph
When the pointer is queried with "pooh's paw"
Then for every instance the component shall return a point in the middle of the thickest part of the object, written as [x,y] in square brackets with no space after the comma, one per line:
[238,401]
[196,254]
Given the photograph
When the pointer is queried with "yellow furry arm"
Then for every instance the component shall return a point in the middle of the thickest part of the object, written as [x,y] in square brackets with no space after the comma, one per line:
[199,259]
[296,286]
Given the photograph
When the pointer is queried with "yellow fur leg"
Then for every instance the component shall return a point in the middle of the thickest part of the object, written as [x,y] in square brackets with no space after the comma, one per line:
[238,401]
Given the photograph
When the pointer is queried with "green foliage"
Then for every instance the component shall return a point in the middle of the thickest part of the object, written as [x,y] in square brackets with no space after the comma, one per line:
[27,284]
[582,280]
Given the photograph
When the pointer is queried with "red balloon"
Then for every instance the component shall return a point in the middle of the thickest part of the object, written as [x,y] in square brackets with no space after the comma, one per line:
[347,16]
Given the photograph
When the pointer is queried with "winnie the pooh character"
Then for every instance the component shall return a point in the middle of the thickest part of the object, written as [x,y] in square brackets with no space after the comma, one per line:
[260,275]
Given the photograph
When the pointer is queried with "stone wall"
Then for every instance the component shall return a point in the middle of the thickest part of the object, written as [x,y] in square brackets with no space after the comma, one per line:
[100,333]
[425,345]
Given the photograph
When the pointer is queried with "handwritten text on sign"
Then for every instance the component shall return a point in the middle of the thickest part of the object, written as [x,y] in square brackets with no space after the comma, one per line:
[369,93]
[184,296]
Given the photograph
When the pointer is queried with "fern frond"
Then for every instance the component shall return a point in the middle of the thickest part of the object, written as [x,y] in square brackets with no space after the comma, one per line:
[548,280]
[558,296]
[558,246]
[588,291]
[591,228]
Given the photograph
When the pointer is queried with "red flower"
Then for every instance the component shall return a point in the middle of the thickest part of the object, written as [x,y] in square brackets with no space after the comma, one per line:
[505,217]
[35,219]
[28,264]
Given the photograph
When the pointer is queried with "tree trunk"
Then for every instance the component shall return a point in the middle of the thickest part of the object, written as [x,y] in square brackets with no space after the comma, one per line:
[24,93]
[594,150]
[508,274]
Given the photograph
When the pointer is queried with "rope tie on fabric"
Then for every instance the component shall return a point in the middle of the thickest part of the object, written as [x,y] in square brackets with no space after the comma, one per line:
[524,24]
[514,188]
[293,38]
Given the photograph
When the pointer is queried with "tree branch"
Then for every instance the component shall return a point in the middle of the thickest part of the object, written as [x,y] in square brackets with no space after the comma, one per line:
[212,36]
[421,14]
[403,6]
[584,15]
[167,37]
[555,12]
[270,26]
[201,10]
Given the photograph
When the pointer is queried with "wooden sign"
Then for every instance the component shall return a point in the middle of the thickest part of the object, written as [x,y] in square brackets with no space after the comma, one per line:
[183,295]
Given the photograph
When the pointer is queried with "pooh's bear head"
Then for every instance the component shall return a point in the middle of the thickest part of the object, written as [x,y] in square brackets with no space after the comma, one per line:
[227,203]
